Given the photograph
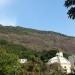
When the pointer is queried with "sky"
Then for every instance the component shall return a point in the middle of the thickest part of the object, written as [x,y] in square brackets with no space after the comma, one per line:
[48,15]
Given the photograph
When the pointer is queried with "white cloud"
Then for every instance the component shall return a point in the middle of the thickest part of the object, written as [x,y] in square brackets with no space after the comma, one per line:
[8,22]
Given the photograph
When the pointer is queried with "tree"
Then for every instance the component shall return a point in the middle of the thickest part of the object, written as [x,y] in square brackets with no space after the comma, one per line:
[70,4]
[46,55]
[8,63]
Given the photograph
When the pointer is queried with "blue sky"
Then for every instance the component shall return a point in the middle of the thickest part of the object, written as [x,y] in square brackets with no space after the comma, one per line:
[49,15]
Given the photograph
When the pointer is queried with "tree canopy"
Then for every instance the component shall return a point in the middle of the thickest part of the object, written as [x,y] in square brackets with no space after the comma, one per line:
[70,4]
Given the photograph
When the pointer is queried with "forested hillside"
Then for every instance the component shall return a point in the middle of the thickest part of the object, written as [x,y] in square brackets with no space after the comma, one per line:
[37,40]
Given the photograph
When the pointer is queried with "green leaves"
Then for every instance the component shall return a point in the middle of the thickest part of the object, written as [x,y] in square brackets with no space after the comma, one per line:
[7,62]
[69,3]
[71,11]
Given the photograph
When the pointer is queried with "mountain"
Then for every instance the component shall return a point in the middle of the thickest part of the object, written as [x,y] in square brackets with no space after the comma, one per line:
[36,39]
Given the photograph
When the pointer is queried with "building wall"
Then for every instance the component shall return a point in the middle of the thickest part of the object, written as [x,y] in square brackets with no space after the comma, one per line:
[66,68]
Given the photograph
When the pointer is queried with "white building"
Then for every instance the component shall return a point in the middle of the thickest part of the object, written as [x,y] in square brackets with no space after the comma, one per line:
[22,61]
[72,59]
[64,63]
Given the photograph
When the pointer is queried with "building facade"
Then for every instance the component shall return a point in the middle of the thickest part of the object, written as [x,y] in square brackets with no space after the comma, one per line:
[62,61]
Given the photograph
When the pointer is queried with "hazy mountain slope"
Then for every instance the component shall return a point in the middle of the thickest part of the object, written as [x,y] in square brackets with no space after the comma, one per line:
[37,40]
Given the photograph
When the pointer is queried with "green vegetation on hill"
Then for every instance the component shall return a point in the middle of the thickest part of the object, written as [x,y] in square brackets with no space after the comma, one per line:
[37,40]
[10,53]
[35,45]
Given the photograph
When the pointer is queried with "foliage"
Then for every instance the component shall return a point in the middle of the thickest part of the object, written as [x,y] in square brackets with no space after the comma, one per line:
[7,62]
[70,4]
[10,53]
[46,55]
